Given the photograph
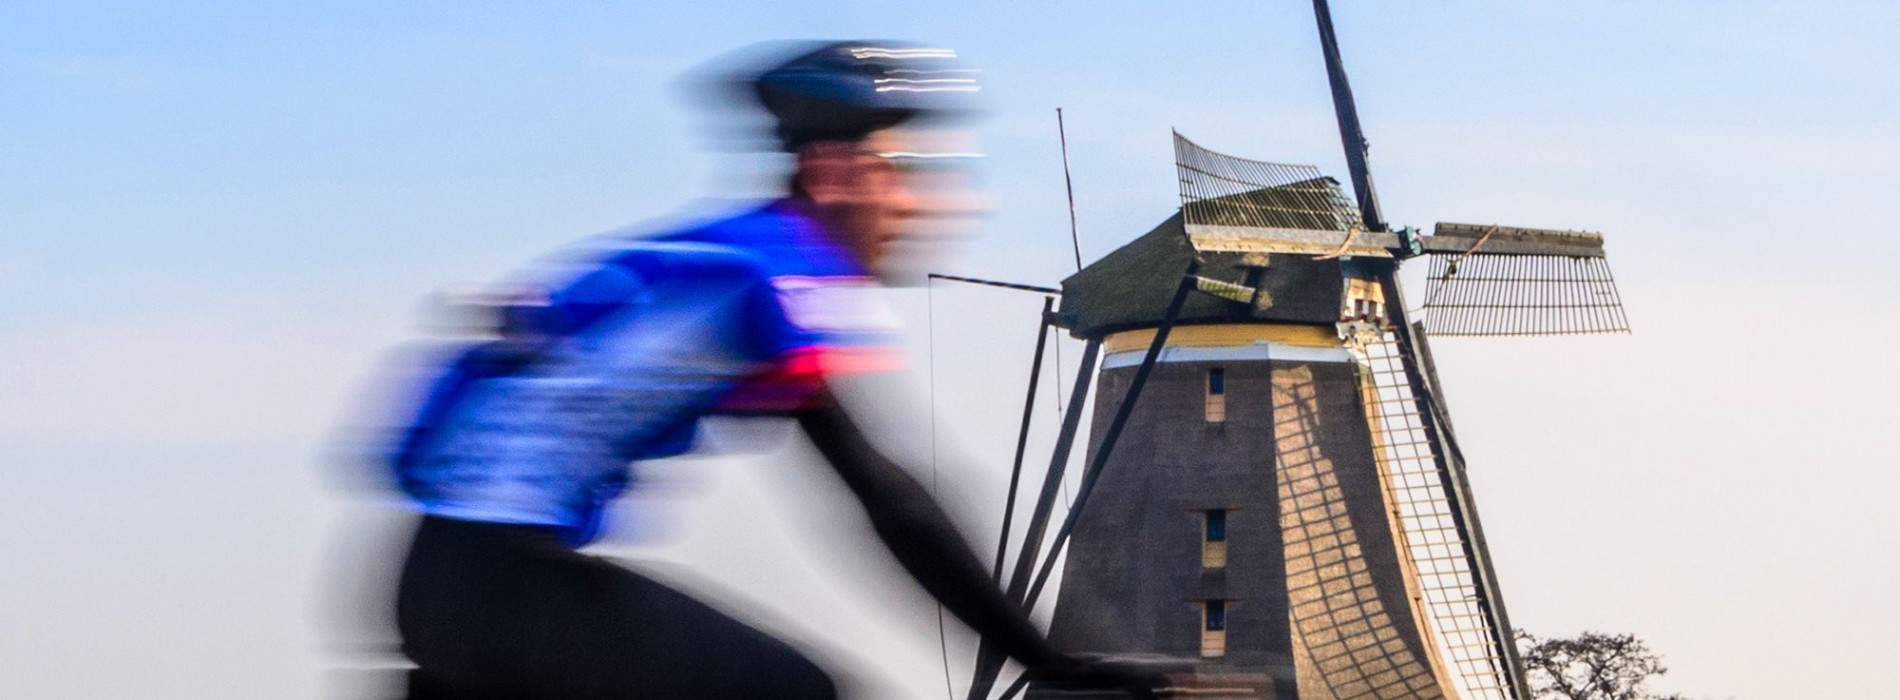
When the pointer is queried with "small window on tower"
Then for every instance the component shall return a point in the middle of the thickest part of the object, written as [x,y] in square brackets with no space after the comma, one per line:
[1216,615]
[1213,628]
[1217,395]
[1214,539]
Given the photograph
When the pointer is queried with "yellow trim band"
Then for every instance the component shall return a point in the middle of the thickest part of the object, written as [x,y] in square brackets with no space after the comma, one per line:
[1227,335]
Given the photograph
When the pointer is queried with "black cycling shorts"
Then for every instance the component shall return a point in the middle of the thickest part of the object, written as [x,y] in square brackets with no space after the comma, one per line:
[491,611]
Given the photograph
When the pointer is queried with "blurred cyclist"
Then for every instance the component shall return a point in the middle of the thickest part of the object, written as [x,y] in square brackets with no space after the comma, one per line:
[521,442]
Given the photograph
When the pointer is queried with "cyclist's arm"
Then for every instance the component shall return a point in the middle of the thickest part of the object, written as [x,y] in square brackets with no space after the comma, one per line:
[922,536]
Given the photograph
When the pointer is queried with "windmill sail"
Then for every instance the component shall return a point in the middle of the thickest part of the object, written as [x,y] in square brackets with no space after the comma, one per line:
[1236,205]
[1221,190]
[1448,565]
[1499,280]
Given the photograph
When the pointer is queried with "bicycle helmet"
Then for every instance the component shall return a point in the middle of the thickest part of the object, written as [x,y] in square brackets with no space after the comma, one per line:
[841,91]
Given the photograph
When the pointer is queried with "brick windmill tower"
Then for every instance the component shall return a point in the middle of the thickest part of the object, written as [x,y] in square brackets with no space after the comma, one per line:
[1273,485]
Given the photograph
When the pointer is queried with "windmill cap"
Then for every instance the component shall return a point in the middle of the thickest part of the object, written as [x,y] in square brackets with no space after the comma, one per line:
[844,90]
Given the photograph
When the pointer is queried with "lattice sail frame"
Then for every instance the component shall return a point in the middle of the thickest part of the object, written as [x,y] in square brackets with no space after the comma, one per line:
[1522,295]
[1221,190]
[1463,629]
[1497,280]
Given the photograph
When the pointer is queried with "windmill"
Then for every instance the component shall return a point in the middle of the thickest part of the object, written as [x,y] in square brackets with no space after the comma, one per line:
[1273,483]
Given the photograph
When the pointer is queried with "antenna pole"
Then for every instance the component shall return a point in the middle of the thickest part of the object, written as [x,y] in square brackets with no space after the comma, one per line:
[1075,239]
[1350,135]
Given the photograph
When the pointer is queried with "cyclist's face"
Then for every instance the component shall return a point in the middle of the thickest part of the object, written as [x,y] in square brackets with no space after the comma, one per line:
[876,195]
[885,202]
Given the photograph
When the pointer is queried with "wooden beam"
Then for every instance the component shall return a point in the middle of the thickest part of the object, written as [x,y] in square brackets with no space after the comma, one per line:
[1457,239]
[1261,239]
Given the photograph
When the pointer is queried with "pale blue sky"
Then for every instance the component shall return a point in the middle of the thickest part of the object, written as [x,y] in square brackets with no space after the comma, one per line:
[215,217]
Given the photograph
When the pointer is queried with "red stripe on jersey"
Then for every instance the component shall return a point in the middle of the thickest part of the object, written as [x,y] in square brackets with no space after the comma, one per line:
[792,380]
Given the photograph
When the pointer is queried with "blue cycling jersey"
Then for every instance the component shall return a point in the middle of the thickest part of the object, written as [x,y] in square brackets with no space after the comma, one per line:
[620,360]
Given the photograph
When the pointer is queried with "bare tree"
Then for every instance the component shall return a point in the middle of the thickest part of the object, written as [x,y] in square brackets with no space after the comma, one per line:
[1591,666]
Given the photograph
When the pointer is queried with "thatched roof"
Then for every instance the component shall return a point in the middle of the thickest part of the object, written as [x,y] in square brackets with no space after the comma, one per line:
[1130,287]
